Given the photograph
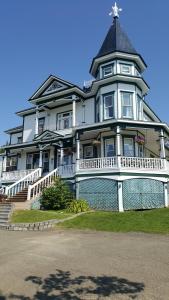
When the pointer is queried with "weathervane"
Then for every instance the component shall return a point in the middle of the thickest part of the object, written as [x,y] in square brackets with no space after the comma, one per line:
[115,11]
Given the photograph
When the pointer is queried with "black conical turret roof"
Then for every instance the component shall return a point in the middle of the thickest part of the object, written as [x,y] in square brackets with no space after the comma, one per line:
[116,41]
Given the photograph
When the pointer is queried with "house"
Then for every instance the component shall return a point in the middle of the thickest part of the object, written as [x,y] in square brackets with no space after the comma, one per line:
[103,139]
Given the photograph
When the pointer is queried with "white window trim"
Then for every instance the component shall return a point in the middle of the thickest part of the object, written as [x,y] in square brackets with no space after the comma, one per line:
[60,116]
[121,106]
[110,65]
[126,65]
[113,105]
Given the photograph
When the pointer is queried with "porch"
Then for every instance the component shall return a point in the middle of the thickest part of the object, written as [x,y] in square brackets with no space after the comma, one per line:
[96,165]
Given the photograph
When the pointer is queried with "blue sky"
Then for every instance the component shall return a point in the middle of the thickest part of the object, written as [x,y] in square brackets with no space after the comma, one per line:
[60,37]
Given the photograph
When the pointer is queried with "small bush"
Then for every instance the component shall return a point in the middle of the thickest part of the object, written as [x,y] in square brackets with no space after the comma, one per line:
[56,197]
[77,206]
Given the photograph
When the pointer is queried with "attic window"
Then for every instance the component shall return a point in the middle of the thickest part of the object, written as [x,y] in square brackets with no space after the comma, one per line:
[125,69]
[107,70]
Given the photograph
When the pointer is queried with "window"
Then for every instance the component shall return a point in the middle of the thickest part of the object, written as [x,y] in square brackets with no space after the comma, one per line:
[88,151]
[64,120]
[107,70]
[98,110]
[11,163]
[140,150]
[127,105]
[139,107]
[41,125]
[128,147]
[110,147]
[19,141]
[125,69]
[108,103]
[29,162]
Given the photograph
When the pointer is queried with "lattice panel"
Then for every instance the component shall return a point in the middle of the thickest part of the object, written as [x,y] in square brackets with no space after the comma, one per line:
[143,194]
[100,193]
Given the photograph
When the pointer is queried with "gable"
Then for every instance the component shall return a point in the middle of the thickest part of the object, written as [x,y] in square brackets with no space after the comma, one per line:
[48,136]
[55,86]
[51,86]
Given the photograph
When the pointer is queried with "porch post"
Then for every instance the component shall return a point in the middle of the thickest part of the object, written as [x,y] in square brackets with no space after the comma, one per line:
[162,144]
[36,122]
[61,154]
[77,151]
[118,146]
[41,159]
[120,196]
[74,112]
[166,194]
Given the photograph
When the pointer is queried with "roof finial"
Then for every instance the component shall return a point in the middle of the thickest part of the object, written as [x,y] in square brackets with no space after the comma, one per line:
[115,11]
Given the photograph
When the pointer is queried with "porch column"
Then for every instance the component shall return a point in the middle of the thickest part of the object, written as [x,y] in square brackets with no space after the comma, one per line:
[36,122]
[61,154]
[162,145]
[77,151]
[41,159]
[118,146]
[166,194]
[120,196]
[74,112]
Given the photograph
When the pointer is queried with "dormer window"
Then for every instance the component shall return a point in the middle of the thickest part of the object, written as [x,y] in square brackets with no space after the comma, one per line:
[125,69]
[107,70]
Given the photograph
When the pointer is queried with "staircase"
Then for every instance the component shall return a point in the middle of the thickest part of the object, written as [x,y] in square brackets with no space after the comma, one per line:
[24,191]
[5,212]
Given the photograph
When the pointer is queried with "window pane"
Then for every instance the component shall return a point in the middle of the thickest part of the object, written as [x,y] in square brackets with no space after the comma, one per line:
[126,69]
[107,70]
[128,147]
[109,148]
[108,106]
[127,104]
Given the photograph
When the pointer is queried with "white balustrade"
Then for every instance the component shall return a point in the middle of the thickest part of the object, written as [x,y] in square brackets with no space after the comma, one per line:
[37,188]
[15,175]
[66,171]
[122,162]
[23,183]
[97,163]
[142,163]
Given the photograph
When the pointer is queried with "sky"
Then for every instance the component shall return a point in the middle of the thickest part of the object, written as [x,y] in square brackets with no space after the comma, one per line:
[60,37]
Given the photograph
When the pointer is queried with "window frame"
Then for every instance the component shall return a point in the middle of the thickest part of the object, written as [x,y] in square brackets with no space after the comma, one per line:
[132,106]
[113,105]
[114,144]
[111,65]
[61,120]
[125,65]
[9,166]
[43,125]
[85,146]
[134,150]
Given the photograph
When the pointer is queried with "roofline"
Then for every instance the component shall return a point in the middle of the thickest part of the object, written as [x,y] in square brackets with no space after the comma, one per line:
[14,130]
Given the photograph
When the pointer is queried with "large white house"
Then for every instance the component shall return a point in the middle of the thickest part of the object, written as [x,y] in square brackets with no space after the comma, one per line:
[104,139]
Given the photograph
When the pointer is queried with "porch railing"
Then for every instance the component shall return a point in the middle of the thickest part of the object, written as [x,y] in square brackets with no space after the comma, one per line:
[142,163]
[36,189]
[122,162]
[66,171]
[23,183]
[97,163]
[15,175]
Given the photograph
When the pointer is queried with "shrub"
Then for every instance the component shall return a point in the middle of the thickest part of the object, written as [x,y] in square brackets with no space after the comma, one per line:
[77,206]
[57,196]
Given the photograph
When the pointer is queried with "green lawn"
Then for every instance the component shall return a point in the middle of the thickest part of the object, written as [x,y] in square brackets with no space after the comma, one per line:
[152,221]
[32,216]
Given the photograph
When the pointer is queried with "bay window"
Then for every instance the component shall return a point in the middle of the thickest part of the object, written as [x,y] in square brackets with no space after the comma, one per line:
[110,147]
[128,147]
[108,104]
[64,120]
[127,105]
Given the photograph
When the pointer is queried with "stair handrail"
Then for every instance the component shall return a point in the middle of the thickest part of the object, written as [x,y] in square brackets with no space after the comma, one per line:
[36,189]
[23,183]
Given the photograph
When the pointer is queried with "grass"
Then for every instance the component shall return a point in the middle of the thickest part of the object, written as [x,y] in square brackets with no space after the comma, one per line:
[151,221]
[32,216]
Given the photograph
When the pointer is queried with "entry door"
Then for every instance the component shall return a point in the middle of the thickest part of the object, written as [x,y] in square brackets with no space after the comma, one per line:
[35,160]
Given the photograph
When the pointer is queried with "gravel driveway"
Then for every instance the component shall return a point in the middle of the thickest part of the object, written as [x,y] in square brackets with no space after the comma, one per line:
[83,265]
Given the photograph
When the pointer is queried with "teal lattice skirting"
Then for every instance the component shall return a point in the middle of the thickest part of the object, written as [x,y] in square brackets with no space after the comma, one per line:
[102,193]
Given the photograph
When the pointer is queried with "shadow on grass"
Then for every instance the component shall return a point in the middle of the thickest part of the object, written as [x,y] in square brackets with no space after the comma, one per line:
[62,285]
